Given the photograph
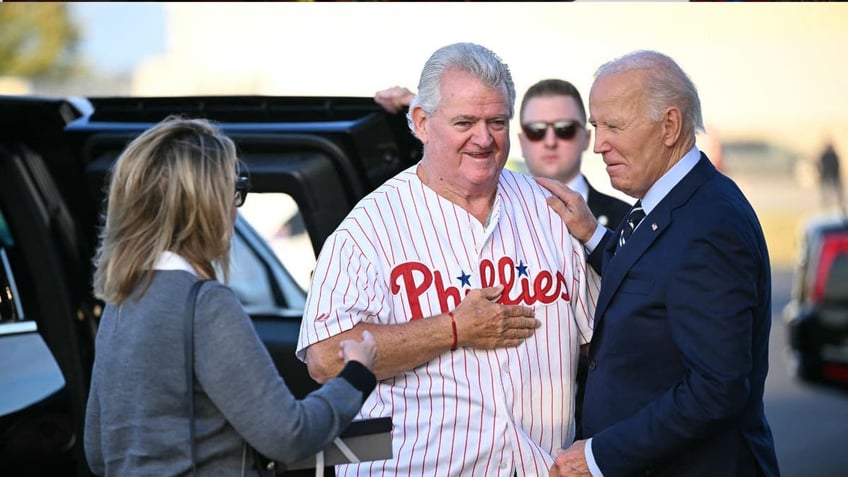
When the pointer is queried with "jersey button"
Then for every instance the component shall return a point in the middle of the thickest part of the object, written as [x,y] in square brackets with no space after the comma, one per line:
[592,365]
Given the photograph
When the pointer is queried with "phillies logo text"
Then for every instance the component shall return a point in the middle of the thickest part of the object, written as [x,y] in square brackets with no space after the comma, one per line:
[415,279]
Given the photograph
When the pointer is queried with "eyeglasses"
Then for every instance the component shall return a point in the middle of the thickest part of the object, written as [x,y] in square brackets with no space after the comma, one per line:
[242,184]
[564,130]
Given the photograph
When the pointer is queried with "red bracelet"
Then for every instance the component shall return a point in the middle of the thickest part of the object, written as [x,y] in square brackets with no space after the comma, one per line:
[453,325]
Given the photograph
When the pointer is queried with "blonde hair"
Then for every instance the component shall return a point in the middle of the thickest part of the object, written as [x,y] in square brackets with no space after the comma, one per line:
[170,190]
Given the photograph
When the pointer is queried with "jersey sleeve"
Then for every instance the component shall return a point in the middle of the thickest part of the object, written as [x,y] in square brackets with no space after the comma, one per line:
[585,292]
[345,290]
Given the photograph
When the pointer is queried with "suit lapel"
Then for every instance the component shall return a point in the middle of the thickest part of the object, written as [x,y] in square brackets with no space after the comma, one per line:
[616,265]
[593,200]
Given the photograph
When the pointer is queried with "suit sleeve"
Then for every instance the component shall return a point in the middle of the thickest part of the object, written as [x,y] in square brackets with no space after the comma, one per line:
[711,303]
[345,290]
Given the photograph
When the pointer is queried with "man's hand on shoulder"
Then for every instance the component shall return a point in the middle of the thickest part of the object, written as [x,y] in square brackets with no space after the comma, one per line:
[571,208]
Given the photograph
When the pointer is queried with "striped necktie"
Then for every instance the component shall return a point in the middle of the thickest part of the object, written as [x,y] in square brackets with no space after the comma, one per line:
[633,218]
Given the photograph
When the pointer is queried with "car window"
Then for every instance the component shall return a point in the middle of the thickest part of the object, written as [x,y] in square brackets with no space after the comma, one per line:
[5,234]
[276,218]
[248,277]
[10,306]
[836,286]
[30,373]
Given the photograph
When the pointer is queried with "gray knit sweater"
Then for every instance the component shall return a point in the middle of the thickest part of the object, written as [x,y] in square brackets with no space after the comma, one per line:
[137,421]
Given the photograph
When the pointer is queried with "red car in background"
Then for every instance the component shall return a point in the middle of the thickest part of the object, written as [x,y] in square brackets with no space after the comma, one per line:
[817,314]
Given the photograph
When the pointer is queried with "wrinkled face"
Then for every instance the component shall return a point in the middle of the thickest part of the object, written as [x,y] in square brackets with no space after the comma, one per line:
[466,140]
[552,156]
[630,142]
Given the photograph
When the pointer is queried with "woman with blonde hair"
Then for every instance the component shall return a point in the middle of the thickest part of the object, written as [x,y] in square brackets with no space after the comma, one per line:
[169,221]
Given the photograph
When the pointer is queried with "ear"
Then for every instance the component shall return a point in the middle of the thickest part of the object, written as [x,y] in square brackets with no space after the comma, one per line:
[419,122]
[672,126]
[587,138]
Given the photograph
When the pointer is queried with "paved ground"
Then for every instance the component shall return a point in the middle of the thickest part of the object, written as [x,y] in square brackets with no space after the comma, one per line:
[809,424]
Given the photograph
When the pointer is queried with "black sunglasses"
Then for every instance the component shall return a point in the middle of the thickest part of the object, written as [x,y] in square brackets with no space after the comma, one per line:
[242,184]
[564,130]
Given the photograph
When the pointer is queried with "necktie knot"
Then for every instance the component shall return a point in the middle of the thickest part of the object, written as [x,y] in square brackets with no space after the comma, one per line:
[637,213]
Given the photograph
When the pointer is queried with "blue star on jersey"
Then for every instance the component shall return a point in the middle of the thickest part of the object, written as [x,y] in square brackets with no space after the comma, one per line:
[465,279]
[522,269]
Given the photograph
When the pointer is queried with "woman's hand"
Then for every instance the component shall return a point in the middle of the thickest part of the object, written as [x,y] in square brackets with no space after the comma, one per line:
[364,351]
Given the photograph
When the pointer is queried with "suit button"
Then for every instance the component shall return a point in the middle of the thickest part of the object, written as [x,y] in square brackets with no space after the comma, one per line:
[592,365]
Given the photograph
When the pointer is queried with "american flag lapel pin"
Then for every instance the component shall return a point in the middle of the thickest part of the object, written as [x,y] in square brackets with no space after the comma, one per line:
[654,227]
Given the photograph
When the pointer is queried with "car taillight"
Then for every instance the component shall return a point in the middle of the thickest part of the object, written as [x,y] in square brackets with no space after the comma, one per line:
[835,372]
[834,246]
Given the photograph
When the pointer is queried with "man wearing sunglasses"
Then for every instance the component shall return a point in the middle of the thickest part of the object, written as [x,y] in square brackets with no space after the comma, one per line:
[553,137]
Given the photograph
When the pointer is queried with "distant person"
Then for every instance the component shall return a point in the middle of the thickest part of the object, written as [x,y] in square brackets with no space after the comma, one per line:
[172,204]
[680,352]
[830,178]
[476,293]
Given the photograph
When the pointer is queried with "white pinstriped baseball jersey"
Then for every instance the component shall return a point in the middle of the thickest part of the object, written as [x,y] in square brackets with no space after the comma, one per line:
[405,253]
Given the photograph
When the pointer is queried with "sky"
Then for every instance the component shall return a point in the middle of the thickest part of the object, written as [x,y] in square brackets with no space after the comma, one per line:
[773,70]
[117,35]
[764,57]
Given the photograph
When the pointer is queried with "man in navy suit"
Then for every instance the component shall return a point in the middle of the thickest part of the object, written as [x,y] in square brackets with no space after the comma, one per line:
[679,357]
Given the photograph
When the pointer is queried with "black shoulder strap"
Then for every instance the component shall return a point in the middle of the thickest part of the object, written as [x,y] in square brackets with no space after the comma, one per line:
[189,359]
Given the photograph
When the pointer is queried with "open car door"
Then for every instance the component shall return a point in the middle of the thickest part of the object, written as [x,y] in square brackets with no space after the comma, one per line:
[47,313]
[310,160]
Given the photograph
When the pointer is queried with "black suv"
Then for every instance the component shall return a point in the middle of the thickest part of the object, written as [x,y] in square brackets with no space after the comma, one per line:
[323,154]
[817,315]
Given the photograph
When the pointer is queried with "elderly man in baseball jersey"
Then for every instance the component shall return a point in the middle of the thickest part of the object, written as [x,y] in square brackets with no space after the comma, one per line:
[477,294]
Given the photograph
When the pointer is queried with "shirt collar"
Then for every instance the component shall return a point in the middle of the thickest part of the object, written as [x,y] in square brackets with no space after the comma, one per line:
[171,261]
[579,184]
[671,178]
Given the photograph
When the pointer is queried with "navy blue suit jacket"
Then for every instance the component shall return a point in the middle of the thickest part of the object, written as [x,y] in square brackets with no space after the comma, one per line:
[678,361]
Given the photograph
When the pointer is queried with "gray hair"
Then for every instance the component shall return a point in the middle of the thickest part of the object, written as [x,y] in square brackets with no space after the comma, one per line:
[472,58]
[666,84]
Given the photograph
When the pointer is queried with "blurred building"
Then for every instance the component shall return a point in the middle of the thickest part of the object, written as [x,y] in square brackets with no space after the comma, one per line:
[14,85]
